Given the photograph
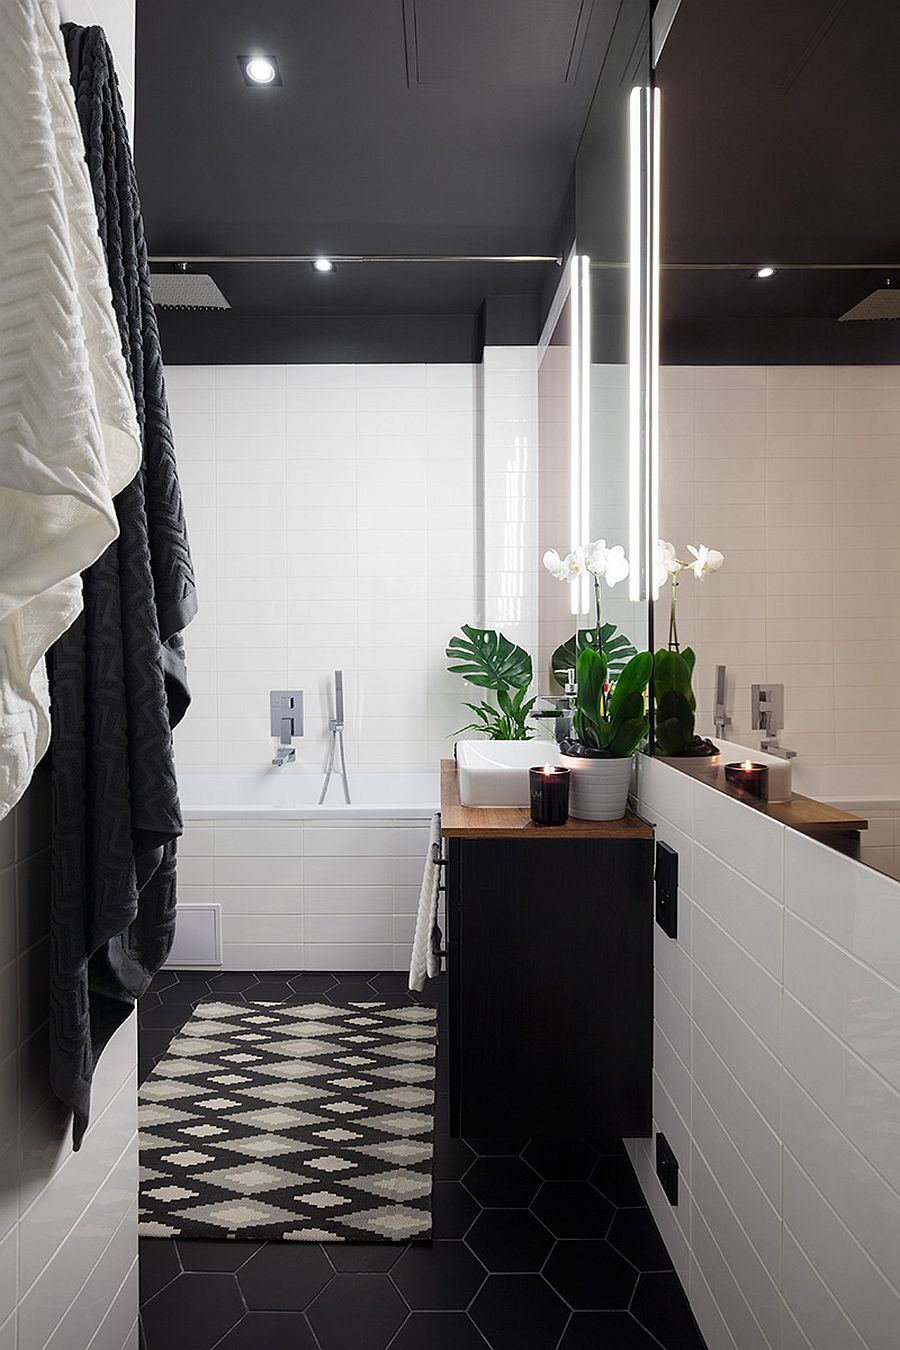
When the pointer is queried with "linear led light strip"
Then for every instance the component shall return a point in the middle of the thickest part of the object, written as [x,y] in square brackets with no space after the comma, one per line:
[643,340]
[580,424]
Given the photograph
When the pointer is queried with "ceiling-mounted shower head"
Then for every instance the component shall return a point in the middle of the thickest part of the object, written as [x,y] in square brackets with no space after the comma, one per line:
[186,290]
[881,304]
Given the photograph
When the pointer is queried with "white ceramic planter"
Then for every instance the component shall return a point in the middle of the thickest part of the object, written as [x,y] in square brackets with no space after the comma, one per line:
[598,788]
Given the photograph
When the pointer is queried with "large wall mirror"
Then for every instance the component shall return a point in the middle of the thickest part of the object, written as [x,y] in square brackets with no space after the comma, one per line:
[779,408]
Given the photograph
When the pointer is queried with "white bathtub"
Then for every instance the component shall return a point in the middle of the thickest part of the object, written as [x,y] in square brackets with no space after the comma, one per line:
[268,880]
[868,790]
[290,793]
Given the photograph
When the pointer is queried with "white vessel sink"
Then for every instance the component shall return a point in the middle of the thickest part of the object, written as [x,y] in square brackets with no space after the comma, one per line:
[730,752]
[495,773]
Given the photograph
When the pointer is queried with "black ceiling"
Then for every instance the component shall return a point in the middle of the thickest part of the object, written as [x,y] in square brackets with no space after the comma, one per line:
[401,126]
[780,122]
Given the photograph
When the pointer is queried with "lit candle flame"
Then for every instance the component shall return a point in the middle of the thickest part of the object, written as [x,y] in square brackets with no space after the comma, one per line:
[548,768]
[747,764]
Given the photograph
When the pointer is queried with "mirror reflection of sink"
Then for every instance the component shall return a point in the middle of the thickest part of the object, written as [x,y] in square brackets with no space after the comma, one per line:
[495,773]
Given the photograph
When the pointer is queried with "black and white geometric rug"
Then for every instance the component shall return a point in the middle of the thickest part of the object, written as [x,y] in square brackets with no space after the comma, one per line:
[304,1123]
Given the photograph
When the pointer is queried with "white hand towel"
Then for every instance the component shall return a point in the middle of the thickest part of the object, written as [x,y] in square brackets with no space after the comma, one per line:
[69,438]
[424,964]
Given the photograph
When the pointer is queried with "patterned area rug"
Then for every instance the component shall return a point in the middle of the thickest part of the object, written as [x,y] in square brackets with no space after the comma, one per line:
[304,1123]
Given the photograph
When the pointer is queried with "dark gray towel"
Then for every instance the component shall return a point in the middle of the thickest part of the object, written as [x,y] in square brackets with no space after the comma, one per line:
[118,676]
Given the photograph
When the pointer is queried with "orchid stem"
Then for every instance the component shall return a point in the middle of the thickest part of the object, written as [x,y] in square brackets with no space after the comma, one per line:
[673,623]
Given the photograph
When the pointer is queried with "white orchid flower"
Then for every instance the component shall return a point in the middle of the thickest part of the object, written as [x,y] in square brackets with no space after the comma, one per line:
[609,563]
[555,565]
[666,563]
[706,559]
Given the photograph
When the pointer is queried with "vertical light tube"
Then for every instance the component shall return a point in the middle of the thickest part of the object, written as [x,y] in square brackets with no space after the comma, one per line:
[585,417]
[654,344]
[575,509]
[635,325]
[643,341]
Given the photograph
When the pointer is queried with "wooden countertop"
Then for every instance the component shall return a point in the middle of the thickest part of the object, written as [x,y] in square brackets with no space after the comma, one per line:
[801,813]
[513,822]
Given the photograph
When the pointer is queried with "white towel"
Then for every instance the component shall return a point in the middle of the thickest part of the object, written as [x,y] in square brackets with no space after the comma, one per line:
[69,438]
[424,963]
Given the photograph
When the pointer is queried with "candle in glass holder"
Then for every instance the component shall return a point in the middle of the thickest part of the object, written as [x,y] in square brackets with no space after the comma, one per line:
[753,779]
[549,785]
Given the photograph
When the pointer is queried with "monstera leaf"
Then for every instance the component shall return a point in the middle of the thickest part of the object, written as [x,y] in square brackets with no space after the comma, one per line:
[616,648]
[488,659]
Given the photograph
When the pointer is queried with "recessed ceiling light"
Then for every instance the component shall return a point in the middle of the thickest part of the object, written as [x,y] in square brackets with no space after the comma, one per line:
[260,69]
[765,272]
[323,265]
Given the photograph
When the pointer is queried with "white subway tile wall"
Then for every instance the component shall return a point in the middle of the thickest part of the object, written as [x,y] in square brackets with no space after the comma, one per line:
[308,895]
[68,1222]
[508,503]
[332,518]
[777,1078]
[794,473]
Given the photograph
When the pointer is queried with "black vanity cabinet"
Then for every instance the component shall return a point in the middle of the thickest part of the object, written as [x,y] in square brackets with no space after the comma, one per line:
[550,963]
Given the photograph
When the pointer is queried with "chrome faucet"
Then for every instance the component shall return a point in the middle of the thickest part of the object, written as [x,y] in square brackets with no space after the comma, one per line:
[721,720]
[286,718]
[767,716]
[562,706]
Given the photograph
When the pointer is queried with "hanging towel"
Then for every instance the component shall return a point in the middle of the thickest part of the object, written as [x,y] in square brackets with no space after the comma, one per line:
[68,436]
[118,676]
[425,963]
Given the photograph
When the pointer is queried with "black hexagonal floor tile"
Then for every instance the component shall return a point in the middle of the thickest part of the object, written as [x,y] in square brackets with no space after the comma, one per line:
[159,1265]
[661,1306]
[509,1240]
[163,979]
[561,1159]
[573,1209]
[438,1331]
[269,991]
[313,983]
[168,1017]
[364,1258]
[591,1275]
[494,1148]
[636,1236]
[232,982]
[504,1183]
[514,1311]
[438,1276]
[270,1331]
[190,988]
[452,1209]
[452,1158]
[615,1178]
[357,1312]
[148,1001]
[197,1254]
[606,1331]
[284,1276]
[194,1310]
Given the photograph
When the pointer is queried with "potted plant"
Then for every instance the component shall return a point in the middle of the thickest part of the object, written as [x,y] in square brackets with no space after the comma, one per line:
[489,660]
[673,669]
[609,722]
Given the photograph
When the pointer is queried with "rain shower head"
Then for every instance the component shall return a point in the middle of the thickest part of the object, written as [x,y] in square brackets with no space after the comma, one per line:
[881,304]
[186,290]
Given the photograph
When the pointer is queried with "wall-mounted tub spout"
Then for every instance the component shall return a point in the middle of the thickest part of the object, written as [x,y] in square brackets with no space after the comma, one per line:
[336,728]
[286,719]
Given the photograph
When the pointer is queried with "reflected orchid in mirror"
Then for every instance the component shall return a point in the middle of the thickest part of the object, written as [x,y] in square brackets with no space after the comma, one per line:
[705,559]
[668,565]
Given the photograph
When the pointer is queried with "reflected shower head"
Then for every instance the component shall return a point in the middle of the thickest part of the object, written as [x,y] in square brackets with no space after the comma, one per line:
[186,290]
[881,304]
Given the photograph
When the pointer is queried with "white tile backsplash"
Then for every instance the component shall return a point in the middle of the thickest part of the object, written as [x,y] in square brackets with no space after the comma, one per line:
[787,977]
[797,466]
